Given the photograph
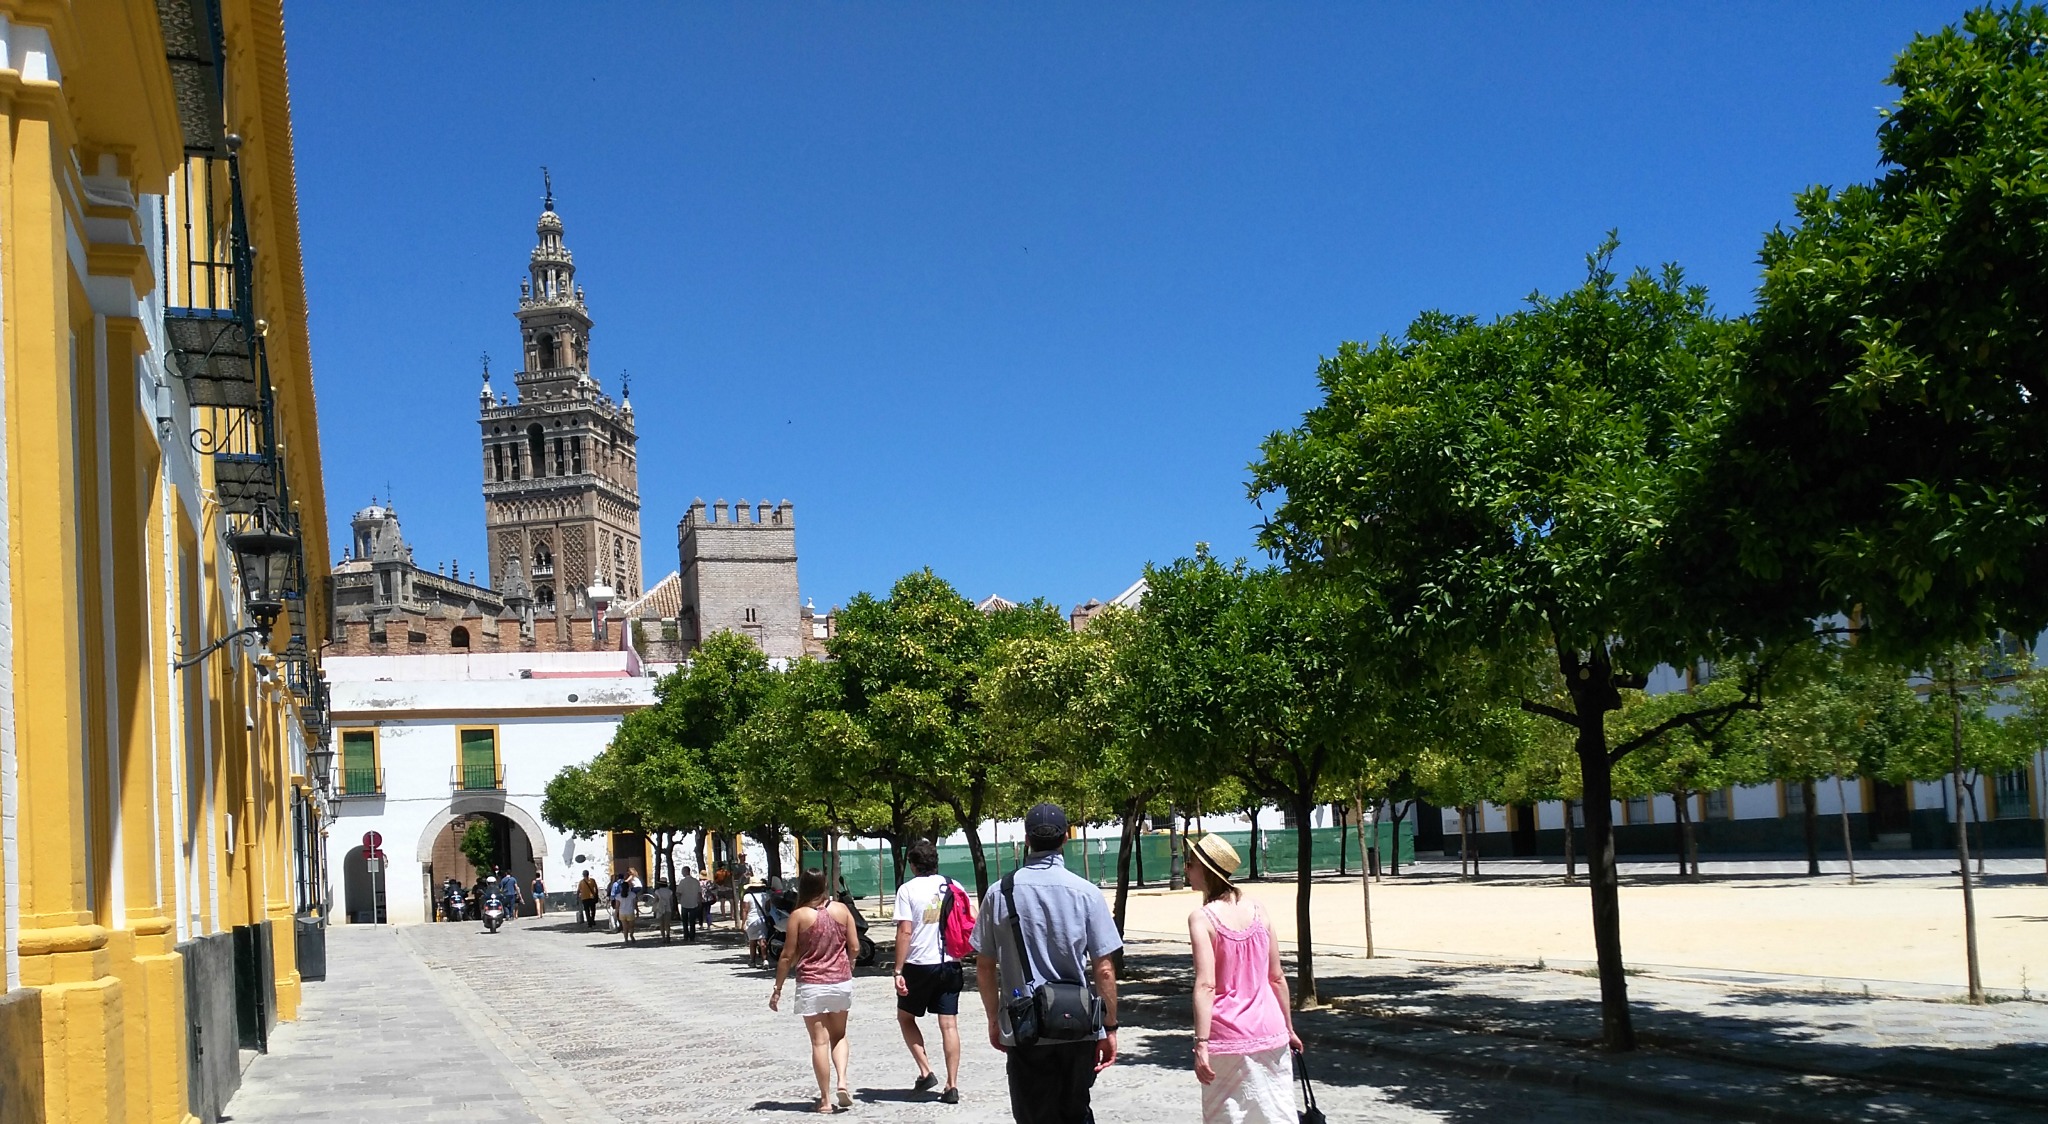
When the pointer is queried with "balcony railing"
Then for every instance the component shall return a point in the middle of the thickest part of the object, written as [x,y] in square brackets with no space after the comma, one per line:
[486,778]
[361,781]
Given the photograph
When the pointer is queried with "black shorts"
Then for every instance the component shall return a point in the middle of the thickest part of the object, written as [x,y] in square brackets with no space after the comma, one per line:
[934,988]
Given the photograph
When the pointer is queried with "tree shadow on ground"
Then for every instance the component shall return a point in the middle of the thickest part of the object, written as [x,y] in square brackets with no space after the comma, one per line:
[1764,1045]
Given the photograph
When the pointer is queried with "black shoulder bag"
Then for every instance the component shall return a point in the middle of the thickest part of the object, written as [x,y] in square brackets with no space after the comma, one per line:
[1310,1114]
[1056,1010]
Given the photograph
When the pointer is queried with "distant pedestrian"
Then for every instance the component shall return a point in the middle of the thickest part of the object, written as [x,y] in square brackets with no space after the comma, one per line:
[690,899]
[586,896]
[612,892]
[540,892]
[664,908]
[629,904]
[1043,931]
[928,977]
[754,913]
[1244,1023]
[820,950]
[508,888]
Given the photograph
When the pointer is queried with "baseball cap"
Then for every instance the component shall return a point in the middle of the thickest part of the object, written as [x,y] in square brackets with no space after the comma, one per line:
[1046,825]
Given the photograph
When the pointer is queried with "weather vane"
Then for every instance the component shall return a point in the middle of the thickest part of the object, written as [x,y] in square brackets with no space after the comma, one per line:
[548,184]
[487,366]
[625,383]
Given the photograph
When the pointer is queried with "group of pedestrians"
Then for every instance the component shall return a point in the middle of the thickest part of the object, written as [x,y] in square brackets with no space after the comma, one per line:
[1044,942]
[683,902]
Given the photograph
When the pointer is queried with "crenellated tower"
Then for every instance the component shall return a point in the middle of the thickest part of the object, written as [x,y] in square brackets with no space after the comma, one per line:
[561,484]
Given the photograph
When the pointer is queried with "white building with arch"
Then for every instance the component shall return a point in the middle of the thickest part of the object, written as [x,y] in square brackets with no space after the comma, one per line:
[426,742]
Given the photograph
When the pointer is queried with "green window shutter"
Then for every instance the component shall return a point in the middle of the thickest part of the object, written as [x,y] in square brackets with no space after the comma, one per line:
[358,761]
[479,759]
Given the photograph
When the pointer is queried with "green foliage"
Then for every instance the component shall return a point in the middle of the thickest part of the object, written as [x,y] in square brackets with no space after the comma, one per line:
[1887,446]
[480,845]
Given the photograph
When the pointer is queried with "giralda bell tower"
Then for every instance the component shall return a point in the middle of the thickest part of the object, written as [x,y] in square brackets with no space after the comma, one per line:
[561,486]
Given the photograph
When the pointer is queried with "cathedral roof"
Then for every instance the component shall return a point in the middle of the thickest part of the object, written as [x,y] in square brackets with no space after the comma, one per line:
[663,601]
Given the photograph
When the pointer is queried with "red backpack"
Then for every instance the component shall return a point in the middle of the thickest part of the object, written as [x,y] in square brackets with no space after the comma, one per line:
[956,922]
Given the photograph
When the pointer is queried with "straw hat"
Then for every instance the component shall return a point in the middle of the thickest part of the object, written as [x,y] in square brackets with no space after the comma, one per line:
[1217,855]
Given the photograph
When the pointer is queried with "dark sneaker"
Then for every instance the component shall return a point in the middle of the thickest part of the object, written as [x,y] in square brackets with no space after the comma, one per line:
[950,1096]
[927,1081]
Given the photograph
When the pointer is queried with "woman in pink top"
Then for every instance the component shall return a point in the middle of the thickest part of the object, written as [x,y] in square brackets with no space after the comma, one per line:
[1244,1020]
[819,950]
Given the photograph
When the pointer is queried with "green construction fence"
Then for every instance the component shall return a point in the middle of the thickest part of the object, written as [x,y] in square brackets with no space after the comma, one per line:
[871,872]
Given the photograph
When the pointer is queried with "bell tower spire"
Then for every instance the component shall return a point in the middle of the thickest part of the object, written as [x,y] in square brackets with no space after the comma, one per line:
[561,482]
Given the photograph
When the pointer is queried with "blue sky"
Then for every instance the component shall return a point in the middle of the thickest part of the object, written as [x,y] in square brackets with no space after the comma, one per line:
[1012,291]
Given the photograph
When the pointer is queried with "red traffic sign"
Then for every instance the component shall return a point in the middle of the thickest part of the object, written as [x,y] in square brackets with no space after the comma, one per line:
[377,854]
[372,841]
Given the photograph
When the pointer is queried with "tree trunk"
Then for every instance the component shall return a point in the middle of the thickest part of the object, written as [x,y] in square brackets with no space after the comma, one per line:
[1464,844]
[1617,1031]
[2041,801]
[1126,847]
[1304,883]
[1395,867]
[1812,818]
[1570,874]
[773,845]
[1963,847]
[1678,813]
[1176,837]
[1344,839]
[1974,820]
[1141,858]
[1364,872]
[1848,848]
[1255,843]
[974,850]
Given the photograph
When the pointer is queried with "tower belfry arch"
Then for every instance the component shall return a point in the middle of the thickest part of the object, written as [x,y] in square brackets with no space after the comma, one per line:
[561,474]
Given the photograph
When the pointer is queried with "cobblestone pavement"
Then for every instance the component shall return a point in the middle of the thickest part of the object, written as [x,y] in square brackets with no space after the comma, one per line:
[683,1033]
[547,1022]
[379,1041]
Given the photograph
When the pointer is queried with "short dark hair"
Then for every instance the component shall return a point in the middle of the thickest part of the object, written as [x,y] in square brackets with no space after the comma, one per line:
[924,858]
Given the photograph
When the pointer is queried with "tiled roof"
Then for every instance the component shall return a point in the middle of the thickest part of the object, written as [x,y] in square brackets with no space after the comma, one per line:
[663,601]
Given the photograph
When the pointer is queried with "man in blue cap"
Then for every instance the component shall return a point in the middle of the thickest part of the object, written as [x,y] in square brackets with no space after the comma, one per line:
[1043,925]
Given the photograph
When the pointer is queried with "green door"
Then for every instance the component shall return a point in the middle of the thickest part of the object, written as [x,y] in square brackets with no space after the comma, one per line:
[479,759]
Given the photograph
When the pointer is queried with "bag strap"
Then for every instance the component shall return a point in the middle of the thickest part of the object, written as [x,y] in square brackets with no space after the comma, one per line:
[1308,1091]
[945,911]
[1016,929]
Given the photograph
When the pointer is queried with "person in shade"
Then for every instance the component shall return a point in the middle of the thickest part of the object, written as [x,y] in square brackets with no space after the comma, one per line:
[927,979]
[1244,1022]
[1067,936]
[690,900]
[819,952]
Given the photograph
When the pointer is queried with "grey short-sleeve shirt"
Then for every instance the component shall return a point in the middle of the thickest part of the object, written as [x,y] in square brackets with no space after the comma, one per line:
[1066,923]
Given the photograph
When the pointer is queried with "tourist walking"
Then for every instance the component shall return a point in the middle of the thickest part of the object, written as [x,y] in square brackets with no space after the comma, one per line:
[586,896]
[540,896]
[819,952]
[754,911]
[664,908]
[508,888]
[928,977]
[1042,933]
[1244,1022]
[690,899]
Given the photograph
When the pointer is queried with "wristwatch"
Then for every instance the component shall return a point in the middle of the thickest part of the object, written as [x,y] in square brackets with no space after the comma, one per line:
[1110,1027]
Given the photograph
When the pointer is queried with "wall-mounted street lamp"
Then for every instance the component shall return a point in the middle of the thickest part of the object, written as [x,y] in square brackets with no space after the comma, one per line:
[263,556]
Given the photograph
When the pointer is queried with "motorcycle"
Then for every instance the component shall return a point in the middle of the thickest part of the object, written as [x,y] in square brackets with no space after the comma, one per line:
[454,903]
[866,957]
[493,911]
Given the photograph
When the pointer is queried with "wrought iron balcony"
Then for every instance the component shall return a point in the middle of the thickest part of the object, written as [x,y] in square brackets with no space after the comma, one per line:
[477,778]
[359,781]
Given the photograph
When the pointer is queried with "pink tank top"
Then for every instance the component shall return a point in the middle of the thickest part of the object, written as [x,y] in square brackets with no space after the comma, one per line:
[1247,1018]
[822,959]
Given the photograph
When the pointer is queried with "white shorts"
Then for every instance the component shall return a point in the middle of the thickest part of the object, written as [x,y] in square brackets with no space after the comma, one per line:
[757,930]
[824,998]
[1250,1089]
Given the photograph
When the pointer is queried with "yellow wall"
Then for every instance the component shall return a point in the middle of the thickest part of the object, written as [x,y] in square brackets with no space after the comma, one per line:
[122,772]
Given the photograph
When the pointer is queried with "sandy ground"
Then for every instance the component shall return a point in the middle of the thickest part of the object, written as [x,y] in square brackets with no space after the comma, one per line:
[1897,928]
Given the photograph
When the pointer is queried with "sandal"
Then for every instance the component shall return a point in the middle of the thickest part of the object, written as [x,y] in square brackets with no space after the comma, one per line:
[845,1098]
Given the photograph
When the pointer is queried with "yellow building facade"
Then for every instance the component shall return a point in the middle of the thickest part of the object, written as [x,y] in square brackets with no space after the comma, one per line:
[160,802]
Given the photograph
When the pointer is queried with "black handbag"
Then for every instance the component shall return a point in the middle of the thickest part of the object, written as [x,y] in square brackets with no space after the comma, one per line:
[1310,1114]
[1055,1011]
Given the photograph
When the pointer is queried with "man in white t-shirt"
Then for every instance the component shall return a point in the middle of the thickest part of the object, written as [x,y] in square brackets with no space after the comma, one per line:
[926,978]
[690,899]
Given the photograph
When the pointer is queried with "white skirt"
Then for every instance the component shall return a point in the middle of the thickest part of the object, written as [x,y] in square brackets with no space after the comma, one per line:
[1250,1089]
[823,998]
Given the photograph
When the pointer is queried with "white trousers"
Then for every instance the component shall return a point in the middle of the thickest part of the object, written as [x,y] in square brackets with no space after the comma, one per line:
[1250,1089]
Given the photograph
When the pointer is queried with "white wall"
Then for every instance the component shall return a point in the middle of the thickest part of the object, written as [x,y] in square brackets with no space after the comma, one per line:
[540,732]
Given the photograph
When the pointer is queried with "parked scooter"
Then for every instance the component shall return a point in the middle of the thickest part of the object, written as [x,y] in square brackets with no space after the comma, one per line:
[866,958]
[493,911]
[454,903]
